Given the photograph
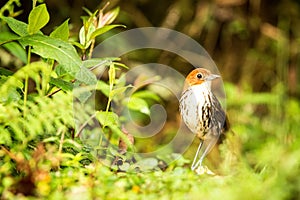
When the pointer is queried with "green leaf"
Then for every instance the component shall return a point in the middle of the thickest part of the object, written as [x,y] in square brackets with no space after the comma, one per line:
[119,91]
[51,139]
[5,138]
[77,44]
[60,70]
[82,38]
[147,94]
[5,72]
[98,62]
[103,87]
[15,83]
[121,65]
[62,52]
[53,48]
[85,34]
[38,18]
[13,47]
[107,118]
[104,29]
[111,75]
[64,85]
[6,37]
[81,93]
[34,69]
[61,32]
[88,11]
[86,75]
[16,26]
[12,94]
[138,104]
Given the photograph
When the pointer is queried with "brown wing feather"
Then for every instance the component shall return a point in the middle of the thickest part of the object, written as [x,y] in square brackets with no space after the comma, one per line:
[219,118]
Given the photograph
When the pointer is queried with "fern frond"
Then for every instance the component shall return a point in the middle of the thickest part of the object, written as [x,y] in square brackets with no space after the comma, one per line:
[44,115]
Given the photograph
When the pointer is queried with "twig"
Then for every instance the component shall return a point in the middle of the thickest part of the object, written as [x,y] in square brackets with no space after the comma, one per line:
[84,125]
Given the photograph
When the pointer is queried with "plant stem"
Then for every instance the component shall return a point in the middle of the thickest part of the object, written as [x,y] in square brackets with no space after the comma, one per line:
[92,48]
[61,142]
[84,124]
[34,3]
[26,87]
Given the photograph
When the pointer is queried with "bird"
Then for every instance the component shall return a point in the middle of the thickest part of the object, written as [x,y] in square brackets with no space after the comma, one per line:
[202,112]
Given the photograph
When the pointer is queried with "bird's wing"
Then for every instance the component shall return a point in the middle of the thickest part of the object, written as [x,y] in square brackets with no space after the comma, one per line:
[218,115]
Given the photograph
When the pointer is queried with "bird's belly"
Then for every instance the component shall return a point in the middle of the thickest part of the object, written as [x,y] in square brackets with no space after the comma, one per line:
[191,111]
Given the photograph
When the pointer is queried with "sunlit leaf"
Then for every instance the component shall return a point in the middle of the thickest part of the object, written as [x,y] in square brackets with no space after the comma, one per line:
[60,70]
[107,118]
[17,26]
[104,29]
[62,52]
[82,37]
[86,76]
[13,47]
[51,139]
[99,62]
[77,44]
[53,48]
[38,18]
[147,94]
[85,33]
[6,36]
[62,31]
[111,75]
[12,93]
[119,91]
[138,104]
[103,87]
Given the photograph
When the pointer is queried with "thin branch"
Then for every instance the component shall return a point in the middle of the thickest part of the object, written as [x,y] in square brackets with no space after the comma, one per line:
[84,125]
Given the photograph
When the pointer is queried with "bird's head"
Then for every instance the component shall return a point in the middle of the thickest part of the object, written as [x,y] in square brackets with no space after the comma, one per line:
[199,76]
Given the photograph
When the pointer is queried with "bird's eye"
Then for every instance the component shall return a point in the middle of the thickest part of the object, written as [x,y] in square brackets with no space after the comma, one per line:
[199,76]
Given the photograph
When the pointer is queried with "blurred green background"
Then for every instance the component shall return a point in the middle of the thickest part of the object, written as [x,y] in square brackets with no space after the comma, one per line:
[255,44]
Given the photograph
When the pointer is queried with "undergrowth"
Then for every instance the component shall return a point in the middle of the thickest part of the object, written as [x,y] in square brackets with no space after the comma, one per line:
[42,154]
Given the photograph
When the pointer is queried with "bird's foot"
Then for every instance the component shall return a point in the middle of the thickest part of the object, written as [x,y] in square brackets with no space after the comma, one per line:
[204,170]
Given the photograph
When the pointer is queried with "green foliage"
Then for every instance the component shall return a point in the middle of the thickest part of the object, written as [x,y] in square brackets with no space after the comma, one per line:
[20,28]
[41,156]
[138,104]
[9,7]
[38,18]
[95,25]
[62,31]
[36,116]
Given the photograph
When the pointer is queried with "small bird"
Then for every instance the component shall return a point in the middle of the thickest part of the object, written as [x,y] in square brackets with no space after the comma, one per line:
[202,112]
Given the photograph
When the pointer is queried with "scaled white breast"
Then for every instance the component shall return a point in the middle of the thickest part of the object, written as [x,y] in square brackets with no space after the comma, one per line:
[191,103]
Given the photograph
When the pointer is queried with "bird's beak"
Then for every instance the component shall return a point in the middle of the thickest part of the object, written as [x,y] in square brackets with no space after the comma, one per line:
[212,77]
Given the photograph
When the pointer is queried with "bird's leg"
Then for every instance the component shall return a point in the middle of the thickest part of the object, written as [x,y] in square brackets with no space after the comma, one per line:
[204,148]
[196,156]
